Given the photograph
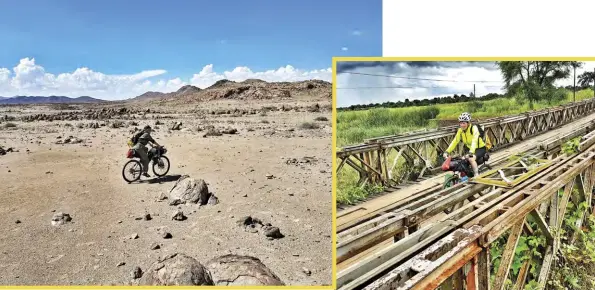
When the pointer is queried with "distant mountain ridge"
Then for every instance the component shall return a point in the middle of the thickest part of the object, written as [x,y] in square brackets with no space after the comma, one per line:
[250,89]
[48,100]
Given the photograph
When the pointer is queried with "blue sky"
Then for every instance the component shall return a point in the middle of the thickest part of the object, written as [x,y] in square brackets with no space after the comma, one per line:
[182,37]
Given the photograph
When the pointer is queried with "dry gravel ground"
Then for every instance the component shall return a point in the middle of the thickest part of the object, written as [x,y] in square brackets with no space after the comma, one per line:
[106,238]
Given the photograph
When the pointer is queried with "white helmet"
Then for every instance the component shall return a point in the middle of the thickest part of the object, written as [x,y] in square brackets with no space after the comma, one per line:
[465,117]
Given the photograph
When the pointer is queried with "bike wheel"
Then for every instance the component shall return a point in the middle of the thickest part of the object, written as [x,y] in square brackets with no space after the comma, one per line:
[162,165]
[451,180]
[134,168]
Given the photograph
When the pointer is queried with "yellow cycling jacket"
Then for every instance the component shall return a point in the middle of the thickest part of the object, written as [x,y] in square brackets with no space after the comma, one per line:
[470,138]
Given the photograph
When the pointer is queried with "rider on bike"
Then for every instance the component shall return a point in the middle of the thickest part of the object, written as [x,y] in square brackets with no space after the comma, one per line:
[142,151]
[470,135]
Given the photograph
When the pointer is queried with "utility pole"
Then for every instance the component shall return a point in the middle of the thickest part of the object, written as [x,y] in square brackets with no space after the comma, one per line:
[474,95]
[574,88]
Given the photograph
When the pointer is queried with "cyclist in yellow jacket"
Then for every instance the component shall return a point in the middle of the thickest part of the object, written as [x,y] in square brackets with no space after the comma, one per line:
[474,145]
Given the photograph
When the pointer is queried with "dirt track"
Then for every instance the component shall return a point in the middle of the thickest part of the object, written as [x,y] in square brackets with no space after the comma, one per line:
[84,180]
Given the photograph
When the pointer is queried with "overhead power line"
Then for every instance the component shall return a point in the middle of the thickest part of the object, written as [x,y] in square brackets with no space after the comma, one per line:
[400,87]
[422,79]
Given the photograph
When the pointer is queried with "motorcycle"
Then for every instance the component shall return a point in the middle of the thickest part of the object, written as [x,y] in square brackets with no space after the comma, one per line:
[156,156]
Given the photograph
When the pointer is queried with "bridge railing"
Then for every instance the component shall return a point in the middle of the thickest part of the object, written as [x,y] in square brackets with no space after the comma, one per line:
[391,160]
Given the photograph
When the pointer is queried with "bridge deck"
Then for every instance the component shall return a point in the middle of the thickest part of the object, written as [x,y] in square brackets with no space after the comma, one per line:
[352,216]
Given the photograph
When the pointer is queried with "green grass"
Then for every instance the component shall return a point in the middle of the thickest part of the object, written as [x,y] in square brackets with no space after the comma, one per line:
[353,127]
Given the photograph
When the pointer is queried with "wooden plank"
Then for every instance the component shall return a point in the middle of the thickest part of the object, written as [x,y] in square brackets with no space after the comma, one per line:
[353,245]
[508,255]
[545,267]
[543,226]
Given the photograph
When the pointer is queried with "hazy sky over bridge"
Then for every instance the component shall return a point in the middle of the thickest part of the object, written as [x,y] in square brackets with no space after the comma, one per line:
[371,82]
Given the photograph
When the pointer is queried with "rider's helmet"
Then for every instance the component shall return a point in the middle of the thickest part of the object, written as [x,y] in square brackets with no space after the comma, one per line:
[465,117]
[147,128]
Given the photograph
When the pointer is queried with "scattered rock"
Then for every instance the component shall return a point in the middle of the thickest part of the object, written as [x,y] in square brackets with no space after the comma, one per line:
[178,216]
[60,219]
[70,140]
[241,271]
[137,272]
[121,264]
[164,233]
[254,225]
[177,269]
[133,236]
[176,126]
[17,222]
[162,196]
[212,132]
[306,271]
[116,124]
[213,200]
[303,160]
[229,130]
[155,246]
[272,232]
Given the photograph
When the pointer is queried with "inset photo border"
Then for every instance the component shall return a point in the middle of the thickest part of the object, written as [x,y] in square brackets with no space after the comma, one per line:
[463,172]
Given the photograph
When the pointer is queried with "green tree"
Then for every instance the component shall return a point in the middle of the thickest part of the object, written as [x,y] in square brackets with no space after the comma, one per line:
[534,80]
[585,79]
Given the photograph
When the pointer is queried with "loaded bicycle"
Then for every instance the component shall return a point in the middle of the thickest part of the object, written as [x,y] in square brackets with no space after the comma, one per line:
[133,169]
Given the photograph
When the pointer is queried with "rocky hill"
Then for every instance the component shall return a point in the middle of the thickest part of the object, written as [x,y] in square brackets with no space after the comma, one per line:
[250,89]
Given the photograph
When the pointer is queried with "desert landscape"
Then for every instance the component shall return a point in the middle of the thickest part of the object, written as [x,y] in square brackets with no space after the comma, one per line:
[262,149]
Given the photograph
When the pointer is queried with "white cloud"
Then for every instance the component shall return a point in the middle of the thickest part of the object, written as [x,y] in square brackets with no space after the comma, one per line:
[207,76]
[344,48]
[373,89]
[356,33]
[29,78]
[377,89]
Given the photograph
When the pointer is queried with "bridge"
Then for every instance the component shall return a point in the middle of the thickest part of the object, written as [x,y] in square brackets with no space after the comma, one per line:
[419,235]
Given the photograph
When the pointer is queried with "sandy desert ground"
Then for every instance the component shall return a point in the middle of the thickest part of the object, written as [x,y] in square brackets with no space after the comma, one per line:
[108,236]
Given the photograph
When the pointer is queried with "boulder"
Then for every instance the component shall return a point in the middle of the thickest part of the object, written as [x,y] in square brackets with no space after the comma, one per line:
[235,270]
[189,190]
[176,270]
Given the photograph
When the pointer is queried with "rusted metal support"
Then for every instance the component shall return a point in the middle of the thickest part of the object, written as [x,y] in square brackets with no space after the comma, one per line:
[472,279]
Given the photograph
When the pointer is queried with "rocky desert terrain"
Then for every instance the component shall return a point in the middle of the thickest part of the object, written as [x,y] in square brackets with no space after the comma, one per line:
[262,149]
